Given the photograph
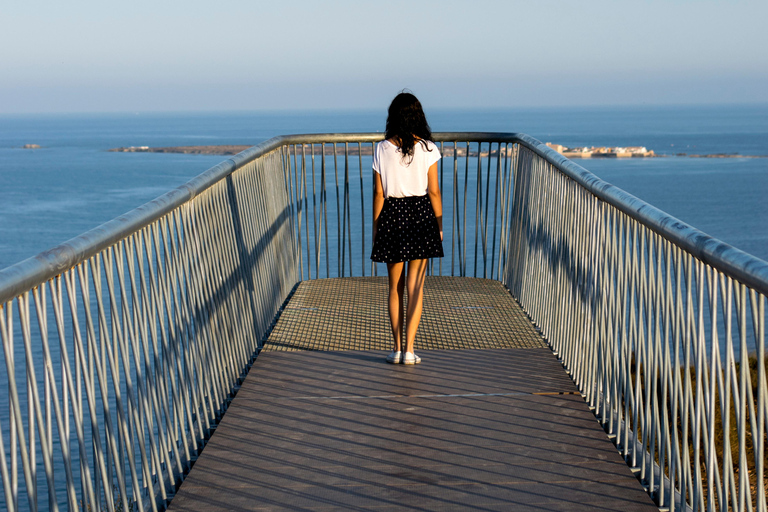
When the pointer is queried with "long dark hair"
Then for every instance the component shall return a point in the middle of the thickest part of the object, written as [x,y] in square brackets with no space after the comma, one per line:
[406,123]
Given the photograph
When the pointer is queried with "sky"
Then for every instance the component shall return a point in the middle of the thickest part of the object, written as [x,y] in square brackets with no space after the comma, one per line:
[191,55]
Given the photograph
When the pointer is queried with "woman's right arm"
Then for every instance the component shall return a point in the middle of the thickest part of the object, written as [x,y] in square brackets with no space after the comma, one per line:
[378,201]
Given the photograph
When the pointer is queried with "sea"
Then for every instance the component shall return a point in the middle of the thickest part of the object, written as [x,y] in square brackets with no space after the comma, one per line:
[73,183]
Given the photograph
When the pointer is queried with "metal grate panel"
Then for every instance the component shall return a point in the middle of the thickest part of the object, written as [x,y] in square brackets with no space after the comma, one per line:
[351,314]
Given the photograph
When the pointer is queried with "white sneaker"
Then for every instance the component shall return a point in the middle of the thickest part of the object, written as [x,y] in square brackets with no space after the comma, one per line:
[411,358]
[394,357]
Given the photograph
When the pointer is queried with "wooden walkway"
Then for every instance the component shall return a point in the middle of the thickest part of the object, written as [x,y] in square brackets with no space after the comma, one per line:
[493,424]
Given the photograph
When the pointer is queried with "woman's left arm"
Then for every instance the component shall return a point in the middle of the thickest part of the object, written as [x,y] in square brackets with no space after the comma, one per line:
[378,201]
[433,189]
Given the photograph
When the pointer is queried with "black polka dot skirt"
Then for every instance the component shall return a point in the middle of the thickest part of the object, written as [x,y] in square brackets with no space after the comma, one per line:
[407,231]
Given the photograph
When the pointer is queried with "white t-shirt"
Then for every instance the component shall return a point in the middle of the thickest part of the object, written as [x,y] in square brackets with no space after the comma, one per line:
[399,179]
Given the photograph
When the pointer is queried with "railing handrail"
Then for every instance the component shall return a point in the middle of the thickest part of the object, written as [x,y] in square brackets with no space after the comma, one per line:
[748,269]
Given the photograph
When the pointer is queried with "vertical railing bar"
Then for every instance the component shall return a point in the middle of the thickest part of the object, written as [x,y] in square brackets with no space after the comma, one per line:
[646,332]
[324,202]
[455,221]
[362,209]
[699,399]
[299,207]
[343,207]
[317,234]
[729,485]
[655,338]
[665,456]
[478,202]
[13,448]
[713,372]
[750,399]
[463,263]
[306,207]
[442,188]
[485,216]
[618,332]
[496,193]
[686,475]
[676,466]
[31,417]
[47,433]
[638,333]
[285,161]
[374,269]
[347,222]
[339,238]
[742,415]
[628,322]
[510,247]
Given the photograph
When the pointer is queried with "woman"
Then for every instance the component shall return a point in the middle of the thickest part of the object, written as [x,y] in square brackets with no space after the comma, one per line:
[407,215]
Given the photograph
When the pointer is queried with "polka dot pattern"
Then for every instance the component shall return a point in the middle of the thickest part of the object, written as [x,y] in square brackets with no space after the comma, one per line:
[408,230]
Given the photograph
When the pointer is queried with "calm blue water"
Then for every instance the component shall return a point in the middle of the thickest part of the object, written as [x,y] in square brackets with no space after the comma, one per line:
[73,184]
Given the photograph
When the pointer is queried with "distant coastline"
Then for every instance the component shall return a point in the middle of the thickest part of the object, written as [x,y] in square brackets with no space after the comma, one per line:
[581,152]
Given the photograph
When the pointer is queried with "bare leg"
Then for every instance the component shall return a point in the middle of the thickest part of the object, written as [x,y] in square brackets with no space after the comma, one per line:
[396,272]
[417,271]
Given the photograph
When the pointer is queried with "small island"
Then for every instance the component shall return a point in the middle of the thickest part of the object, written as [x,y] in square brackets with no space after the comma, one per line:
[603,151]
[189,150]
[632,152]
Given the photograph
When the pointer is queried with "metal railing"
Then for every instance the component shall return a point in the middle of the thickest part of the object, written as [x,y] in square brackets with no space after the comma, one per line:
[124,346]
[661,327]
